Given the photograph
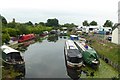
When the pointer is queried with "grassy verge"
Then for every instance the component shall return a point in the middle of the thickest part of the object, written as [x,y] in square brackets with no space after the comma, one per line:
[109,50]
[104,71]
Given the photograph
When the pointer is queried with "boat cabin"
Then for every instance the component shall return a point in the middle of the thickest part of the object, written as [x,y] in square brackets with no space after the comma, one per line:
[74,37]
[11,56]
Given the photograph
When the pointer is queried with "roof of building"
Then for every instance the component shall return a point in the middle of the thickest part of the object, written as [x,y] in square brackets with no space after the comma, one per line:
[115,26]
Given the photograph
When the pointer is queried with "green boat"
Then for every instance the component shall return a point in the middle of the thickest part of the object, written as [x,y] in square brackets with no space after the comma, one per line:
[89,54]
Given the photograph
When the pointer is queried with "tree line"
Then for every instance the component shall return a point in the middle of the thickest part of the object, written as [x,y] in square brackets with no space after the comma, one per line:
[15,29]
[108,23]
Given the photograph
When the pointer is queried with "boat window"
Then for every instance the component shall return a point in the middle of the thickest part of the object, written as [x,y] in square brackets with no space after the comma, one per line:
[73,56]
[21,37]
[15,55]
[74,59]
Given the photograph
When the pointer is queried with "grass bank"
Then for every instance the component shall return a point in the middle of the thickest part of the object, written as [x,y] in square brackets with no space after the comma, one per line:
[105,48]
[104,71]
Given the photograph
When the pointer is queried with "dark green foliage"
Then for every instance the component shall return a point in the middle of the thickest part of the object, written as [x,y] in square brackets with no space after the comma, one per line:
[22,29]
[85,23]
[42,23]
[52,22]
[5,38]
[108,23]
[12,31]
[11,25]
[29,23]
[69,25]
[4,21]
[93,23]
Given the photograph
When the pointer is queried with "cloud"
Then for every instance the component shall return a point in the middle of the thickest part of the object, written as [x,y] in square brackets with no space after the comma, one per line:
[65,10]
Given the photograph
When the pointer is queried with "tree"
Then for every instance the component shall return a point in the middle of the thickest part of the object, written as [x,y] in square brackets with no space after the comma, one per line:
[12,31]
[69,25]
[52,22]
[108,23]
[5,37]
[42,23]
[29,23]
[22,29]
[93,23]
[36,24]
[11,25]
[4,21]
[85,23]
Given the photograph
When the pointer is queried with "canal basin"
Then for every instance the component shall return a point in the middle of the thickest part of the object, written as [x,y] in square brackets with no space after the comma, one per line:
[46,60]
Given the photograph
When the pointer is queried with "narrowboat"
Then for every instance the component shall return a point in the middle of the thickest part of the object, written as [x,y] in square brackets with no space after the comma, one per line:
[11,56]
[90,56]
[74,37]
[26,37]
[73,58]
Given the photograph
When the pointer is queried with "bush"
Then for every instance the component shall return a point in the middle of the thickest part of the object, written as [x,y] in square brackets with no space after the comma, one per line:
[5,38]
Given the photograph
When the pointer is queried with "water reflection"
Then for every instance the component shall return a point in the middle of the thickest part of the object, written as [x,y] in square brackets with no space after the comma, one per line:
[21,70]
[64,37]
[46,59]
[73,73]
[52,38]
[16,71]
[23,47]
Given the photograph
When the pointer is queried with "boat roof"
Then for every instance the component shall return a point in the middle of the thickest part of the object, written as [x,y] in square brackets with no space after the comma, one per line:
[73,36]
[70,44]
[72,49]
[74,53]
[90,50]
[7,49]
[81,45]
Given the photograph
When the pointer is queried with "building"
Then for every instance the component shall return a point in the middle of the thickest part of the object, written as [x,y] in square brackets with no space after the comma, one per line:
[119,12]
[88,29]
[116,29]
[115,38]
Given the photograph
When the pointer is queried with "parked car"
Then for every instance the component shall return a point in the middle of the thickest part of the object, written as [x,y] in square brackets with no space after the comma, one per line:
[109,38]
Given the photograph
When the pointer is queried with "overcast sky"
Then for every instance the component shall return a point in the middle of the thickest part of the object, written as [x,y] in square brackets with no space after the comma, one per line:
[66,11]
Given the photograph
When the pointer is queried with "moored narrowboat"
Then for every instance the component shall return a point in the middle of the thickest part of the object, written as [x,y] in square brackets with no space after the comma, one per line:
[73,57]
[11,56]
[90,56]
[26,37]
[74,37]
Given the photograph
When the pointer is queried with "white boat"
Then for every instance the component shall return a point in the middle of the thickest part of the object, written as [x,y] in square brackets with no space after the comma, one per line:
[73,57]
[11,56]
[74,37]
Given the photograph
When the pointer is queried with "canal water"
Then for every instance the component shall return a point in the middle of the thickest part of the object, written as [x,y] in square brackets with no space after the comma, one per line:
[45,59]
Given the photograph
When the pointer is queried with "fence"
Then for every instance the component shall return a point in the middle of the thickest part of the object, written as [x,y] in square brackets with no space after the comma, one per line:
[108,61]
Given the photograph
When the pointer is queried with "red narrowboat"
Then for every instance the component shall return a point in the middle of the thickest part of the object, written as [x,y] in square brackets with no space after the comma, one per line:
[26,37]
